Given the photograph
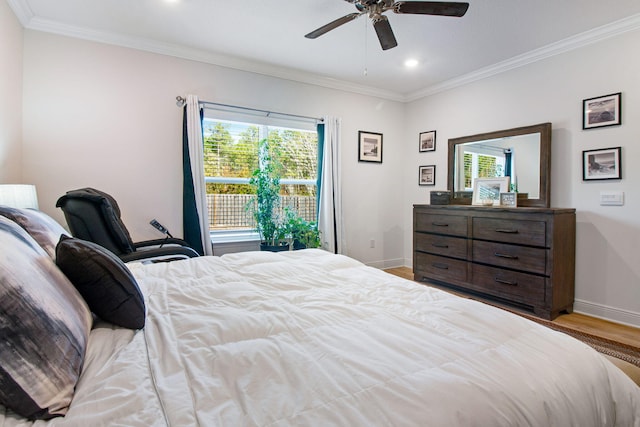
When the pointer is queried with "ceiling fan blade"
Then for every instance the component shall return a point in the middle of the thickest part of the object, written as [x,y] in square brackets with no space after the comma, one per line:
[384,32]
[431,8]
[332,25]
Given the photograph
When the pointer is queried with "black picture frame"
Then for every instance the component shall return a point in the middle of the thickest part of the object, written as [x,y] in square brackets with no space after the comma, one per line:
[602,164]
[427,175]
[369,147]
[602,111]
[427,141]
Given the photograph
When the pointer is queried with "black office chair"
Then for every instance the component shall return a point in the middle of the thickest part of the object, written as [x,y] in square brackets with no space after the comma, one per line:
[95,216]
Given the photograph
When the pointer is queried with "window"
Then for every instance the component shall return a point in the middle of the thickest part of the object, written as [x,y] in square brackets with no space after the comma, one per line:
[230,157]
[481,166]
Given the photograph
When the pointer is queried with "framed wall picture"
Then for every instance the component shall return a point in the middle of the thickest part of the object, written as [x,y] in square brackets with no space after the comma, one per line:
[602,111]
[427,141]
[427,175]
[486,191]
[369,147]
[509,200]
[601,164]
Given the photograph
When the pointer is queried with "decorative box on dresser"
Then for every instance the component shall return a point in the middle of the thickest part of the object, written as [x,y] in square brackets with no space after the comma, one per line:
[522,258]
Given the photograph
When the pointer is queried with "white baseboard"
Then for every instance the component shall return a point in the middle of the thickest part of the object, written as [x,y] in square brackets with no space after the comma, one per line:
[387,263]
[613,314]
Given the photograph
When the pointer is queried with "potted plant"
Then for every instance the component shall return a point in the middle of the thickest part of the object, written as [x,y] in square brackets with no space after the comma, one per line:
[266,181]
[303,233]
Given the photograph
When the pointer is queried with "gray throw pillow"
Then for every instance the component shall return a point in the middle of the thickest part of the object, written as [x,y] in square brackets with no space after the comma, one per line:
[44,325]
[44,229]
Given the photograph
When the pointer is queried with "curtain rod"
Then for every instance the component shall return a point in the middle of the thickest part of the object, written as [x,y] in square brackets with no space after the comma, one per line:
[180,102]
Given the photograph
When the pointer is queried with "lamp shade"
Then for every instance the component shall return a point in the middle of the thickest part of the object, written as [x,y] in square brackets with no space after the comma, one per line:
[19,196]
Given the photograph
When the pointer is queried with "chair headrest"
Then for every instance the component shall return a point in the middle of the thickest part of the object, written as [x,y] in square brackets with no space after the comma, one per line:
[110,211]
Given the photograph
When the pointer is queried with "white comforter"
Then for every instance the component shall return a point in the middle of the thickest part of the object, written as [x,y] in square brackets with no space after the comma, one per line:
[307,338]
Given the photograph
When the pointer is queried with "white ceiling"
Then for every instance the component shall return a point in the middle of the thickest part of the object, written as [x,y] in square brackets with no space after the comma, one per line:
[267,36]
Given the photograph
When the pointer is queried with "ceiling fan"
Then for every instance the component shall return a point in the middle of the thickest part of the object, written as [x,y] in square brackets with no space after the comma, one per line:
[376,8]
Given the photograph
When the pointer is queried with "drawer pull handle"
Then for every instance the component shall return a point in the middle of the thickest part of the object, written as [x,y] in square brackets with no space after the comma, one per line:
[506,282]
[439,224]
[499,255]
[439,245]
[440,266]
[506,230]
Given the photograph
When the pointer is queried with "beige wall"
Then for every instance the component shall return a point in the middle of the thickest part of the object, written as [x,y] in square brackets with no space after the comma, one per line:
[608,237]
[10,96]
[105,116]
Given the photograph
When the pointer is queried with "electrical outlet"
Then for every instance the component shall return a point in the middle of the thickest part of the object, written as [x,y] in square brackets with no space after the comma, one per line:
[372,243]
[611,198]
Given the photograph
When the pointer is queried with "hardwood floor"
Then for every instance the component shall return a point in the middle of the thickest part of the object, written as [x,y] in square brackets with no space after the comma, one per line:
[602,328]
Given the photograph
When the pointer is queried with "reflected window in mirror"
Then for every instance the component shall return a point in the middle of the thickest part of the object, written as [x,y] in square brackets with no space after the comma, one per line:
[497,158]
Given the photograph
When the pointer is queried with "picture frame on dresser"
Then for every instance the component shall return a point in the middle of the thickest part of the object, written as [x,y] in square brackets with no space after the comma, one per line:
[509,200]
[489,189]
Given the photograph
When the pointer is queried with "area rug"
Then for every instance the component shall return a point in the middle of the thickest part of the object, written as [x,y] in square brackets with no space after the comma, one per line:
[628,353]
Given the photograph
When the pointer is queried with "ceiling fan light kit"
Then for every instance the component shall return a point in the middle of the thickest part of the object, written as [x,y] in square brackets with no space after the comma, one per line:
[376,8]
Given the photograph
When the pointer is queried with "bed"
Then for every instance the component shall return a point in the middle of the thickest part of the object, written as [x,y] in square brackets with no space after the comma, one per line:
[303,338]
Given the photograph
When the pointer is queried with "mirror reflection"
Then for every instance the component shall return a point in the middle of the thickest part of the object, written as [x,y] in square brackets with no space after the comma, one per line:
[517,157]
[523,154]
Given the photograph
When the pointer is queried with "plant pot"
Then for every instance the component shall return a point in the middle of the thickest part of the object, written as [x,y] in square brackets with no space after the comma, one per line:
[284,246]
[298,245]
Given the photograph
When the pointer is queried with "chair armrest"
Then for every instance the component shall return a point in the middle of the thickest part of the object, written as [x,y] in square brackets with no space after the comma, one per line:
[167,253]
[160,242]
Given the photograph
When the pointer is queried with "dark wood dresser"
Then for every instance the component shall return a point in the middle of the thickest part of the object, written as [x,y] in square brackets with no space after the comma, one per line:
[523,258]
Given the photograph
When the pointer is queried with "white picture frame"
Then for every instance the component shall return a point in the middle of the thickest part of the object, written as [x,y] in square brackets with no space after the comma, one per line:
[509,200]
[486,191]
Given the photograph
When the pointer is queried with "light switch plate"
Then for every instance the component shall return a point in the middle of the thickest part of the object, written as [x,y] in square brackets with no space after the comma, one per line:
[611,198]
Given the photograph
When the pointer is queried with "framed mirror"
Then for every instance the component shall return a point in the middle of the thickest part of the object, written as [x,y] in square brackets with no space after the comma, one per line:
[523,154]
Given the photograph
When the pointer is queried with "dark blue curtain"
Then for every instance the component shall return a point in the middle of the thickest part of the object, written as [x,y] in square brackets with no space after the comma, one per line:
[320,130]
[190,220]
[507,163]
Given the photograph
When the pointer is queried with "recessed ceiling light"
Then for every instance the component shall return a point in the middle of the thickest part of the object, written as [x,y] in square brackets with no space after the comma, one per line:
[411,63]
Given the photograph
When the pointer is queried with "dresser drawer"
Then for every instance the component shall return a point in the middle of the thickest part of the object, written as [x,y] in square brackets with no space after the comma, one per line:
[524,232]
[437,267]
[522,258]
[455,247]
[451,225]
[521,287]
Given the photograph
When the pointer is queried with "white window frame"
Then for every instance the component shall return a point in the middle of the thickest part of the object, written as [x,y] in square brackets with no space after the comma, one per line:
[251,235]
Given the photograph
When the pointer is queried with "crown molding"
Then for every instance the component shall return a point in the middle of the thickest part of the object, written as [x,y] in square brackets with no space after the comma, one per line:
[631,23]
[179,51]
[22,11]
[29,21]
